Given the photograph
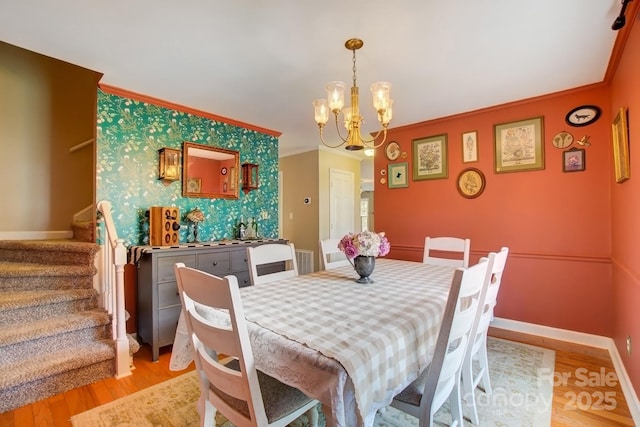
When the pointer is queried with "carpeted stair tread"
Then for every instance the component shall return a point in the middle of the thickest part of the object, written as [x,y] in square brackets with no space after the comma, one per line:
[21,299]
[51,251]
[54,363]
[16,307]
[28,269]
[54,245]
[53,335]
[51,327]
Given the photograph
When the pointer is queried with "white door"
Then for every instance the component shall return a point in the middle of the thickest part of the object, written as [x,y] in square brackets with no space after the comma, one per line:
[341,203]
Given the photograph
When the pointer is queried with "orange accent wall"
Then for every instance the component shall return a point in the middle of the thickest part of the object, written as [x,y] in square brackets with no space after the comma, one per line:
[625,208]
[556,224]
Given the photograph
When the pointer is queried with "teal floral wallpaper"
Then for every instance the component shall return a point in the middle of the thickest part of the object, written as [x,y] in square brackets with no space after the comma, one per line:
[129,135]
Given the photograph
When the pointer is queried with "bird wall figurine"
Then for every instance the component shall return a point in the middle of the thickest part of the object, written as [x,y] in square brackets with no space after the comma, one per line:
[584,141]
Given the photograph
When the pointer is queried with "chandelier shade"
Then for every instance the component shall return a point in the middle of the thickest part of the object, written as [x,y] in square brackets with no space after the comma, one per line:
[351,118]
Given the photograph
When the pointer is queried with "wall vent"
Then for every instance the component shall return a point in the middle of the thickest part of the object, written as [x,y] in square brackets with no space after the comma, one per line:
[304,258]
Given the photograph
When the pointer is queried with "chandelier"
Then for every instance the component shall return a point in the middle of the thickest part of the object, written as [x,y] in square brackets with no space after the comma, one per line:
[351,117]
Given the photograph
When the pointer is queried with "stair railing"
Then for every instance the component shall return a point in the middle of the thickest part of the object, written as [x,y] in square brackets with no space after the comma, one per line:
[114,259]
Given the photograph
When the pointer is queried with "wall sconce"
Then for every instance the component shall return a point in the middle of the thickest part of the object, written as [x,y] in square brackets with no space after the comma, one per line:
[169,164]
[249,177]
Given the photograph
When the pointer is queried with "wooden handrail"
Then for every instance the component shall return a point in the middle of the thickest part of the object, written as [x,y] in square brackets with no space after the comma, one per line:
[81,145]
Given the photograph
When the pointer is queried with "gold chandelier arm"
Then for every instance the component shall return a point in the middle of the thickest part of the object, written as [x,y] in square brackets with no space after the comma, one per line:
[335,114]
[382,131]
[320,126]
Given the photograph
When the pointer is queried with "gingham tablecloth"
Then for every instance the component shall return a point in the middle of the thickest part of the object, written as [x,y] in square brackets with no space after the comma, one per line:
[382,334]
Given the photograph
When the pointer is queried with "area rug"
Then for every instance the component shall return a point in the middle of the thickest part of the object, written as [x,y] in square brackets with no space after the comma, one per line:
[521,377]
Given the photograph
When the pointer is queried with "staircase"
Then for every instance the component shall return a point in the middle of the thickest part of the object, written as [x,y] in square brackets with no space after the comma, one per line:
[53,335]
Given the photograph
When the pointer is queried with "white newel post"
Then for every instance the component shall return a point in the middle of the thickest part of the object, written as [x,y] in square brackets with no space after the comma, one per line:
[119,260]
[123,367]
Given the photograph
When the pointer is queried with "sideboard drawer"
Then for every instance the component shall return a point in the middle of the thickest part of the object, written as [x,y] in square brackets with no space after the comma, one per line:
[239,260]
[243,278]
[165,266]
[167,324]
[168,294]
[216,263]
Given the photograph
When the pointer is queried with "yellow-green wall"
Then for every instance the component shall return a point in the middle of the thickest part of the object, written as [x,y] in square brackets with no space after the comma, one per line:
[307,175]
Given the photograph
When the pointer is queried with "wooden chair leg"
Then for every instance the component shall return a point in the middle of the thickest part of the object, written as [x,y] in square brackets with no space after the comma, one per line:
[468,390]
[484,365]
[456,406]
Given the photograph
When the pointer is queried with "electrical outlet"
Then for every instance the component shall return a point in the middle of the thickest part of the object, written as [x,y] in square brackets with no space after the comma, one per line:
[629,345]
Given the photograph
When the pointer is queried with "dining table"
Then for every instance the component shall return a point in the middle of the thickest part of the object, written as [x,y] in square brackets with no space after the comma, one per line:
[351,346]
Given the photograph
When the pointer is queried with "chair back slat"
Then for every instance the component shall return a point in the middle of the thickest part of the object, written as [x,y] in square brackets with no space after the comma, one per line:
[331,256]
[447,251]
[274,254]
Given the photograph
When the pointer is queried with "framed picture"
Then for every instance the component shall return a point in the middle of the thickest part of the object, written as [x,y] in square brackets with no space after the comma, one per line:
[621,145]
[573,160]
[430,157]
[398,175]
[471,183]
[194,185]
[233,178]
[470,147]
[519,146]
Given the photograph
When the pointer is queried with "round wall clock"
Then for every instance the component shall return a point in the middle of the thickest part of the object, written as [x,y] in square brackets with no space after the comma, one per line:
[583,115]
[392,150]
[471,183]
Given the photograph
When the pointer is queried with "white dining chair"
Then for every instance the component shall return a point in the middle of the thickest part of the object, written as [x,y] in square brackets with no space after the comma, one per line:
[266,262]
[477,349]
[440,381]
[233,385]
[332,257]
[456,249]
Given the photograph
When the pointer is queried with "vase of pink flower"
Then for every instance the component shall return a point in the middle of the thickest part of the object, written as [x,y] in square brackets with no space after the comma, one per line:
[362,249]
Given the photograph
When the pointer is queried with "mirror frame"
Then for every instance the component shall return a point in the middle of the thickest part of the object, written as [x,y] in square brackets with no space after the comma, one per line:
[233,172]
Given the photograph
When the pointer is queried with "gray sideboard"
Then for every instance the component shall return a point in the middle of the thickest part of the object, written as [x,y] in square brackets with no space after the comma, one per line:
[158,299]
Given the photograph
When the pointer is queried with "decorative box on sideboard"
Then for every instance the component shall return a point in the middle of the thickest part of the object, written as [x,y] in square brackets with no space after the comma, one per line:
[158,299]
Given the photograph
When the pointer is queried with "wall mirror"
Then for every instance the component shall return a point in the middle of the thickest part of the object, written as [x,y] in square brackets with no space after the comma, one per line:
[209,172]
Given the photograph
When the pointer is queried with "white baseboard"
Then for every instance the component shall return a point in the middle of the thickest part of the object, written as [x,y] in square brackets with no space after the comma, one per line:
[584,339]
[35,235]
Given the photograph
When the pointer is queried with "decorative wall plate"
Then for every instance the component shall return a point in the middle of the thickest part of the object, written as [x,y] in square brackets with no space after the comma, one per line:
[471,183]
[223,171]
[583,115]
[392,150]
[562,139]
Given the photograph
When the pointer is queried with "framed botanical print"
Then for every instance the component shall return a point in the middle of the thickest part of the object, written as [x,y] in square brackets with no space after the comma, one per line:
[398,175]
[430,157]
[573,160]
[470,147]
[519,145]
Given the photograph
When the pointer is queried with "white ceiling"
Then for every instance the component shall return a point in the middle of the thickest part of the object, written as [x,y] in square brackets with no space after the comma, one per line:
[263,62]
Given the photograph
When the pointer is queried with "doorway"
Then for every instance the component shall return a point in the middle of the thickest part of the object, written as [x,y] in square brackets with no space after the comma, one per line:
[341,203]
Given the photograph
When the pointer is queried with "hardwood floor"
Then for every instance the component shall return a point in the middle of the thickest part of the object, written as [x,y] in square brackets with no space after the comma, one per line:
[574,403]
[586,390]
